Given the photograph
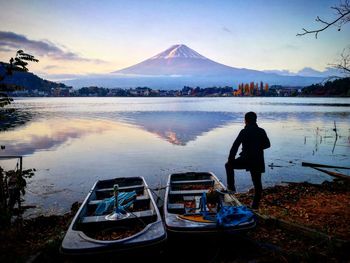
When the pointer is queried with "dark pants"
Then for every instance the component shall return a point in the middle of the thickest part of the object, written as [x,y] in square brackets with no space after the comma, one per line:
[239,163]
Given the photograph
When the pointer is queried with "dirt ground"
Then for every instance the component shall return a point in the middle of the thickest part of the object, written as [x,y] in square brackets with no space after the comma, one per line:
[321,210]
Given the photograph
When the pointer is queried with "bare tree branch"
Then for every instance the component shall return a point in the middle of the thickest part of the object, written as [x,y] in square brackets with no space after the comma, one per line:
[343,13]
[344,62]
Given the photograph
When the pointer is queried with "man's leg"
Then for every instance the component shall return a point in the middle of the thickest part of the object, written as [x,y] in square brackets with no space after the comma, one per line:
[230,176]
[230,172]
[256,178]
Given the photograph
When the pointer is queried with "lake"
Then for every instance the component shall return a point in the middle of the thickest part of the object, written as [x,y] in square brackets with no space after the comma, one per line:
[72,142]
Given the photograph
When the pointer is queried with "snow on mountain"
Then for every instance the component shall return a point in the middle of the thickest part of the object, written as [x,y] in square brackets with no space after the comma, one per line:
[178,51]
[308,72]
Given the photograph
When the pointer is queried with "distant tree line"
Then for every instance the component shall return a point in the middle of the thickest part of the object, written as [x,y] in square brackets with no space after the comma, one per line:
[338,87]
[252,89]
[186,91]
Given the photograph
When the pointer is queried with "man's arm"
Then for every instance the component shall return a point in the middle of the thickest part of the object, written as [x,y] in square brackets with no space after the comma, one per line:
[235,146]
[265,141]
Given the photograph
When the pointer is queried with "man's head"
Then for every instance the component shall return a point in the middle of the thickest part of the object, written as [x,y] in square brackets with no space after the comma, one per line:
[250,117]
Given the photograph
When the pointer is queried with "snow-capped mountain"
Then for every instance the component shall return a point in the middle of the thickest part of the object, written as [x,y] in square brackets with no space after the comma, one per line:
[182,61]
[178,60]
[180,65]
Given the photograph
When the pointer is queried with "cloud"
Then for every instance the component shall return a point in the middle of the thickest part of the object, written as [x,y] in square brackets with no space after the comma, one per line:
[4,49]
[51,67]
[11,40]
[226,29]
[280,48]
[60,77]
[290,47]
[283,72]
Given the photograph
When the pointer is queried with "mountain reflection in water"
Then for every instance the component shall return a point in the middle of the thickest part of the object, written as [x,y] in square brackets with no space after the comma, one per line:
[180,127]
[176,127]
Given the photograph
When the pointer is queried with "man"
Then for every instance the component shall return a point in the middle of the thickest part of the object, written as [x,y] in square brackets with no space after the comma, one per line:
[254,140]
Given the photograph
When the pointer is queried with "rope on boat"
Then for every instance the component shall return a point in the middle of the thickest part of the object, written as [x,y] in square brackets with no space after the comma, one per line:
[138,218]
[158,188]
[153,190]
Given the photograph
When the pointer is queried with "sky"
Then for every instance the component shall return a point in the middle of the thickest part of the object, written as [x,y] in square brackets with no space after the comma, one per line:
[87,37]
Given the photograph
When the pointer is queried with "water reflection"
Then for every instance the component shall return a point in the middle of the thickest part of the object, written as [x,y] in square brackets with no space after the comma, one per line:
[175,127]
[180,127]
[10,117]
[48,135]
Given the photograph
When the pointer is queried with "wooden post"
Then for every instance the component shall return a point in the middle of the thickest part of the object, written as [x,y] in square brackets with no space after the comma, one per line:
[322,165]
[334,174]
[21,164]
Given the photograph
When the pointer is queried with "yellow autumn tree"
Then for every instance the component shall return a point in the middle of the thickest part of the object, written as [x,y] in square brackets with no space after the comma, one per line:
[266,87]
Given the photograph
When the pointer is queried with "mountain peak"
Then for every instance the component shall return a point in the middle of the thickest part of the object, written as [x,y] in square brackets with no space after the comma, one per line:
[178,51]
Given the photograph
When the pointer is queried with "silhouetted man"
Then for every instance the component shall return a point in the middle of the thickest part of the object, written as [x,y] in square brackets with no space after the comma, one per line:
[254,140]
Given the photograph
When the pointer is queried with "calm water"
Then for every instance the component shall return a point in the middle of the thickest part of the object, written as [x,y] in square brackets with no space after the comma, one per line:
[72,142]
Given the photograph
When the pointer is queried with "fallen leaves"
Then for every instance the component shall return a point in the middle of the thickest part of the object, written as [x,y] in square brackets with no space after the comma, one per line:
[322,207]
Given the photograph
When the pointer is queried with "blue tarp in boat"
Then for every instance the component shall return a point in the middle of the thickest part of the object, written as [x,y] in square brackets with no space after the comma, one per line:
[230,216]
[226,216]
[125,200]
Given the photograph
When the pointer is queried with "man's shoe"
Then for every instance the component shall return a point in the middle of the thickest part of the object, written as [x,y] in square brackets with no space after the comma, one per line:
[232,189]
[254,207]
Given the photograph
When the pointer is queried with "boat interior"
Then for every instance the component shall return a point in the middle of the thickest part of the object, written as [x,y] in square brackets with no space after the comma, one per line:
[186,190]
[141,213]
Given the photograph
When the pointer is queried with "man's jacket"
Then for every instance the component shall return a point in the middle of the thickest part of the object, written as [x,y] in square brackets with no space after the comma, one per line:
[254,140]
